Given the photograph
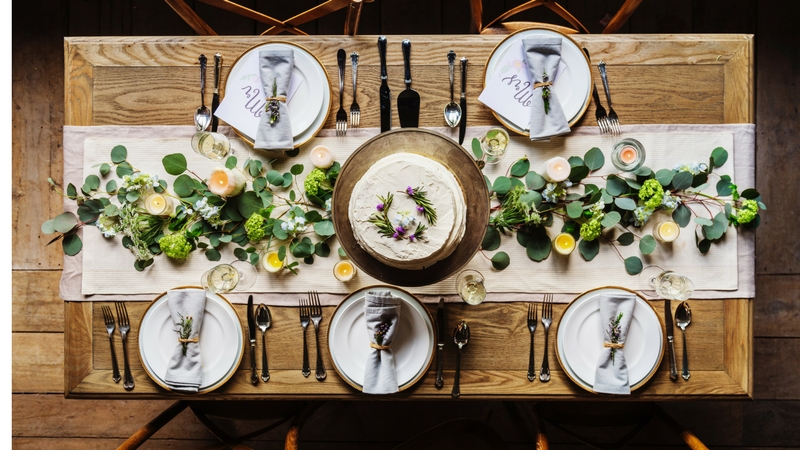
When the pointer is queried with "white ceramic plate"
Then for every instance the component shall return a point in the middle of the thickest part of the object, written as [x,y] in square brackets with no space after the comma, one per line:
[580,339]
[573,85]
[413,344]
[221,341]
[309,106]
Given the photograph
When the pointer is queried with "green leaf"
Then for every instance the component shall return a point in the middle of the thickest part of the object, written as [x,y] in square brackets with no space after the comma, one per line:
[111,186]
[240,253]
[703,245]
[625,239]
[523,238]
[578,173]
[532,198]
[119,154]
[282,252]
[625,203]
[140,265]
[720,156]
[322,249]
[124,168]
[539,246]
[48,227]
[302,249]
[574,209]
[502,185]
[279,232]
[534,181]
[607,198]
[682,180]
[275,178]
[616,186]
[297,169]
[104,169]
[174,164]
[287,179]
[647,245]
[717,229]
[292,196]
[699,180]
[500,260]
[231,162]
[575,161]
[254,167]
[64,222]
[750,194]
[491,240]
[643,171]
[476,148]
[682,215]
[594,159]
[132,196]
[342,252]
[488,183]
[633,265]
[703,221]
[313,216]
[610,219]
[184,186]
[520,168]
[71,191]
[664,177]
[91,184]
[633,183]
[254,258]
[71,244]
[589,249]
[213,254]
[324,228]
[225,238]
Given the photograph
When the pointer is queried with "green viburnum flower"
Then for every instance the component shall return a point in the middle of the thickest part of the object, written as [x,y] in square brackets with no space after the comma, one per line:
[651,193]
[256,227]
[746,212]
[175,246]
[591,230]
[314,182]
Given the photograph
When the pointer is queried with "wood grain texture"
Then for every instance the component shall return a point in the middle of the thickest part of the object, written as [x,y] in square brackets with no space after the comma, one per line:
[739,342]
[35,304]
[77,343]
[775,366]
[777,307]
[37,362]
[740,104]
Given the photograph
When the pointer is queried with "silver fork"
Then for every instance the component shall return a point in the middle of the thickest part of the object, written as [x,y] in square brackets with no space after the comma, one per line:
[108,317]
[547,319]
[124,327]
[532,320]
[613,120]
[341,116]
[599,112]
[355,110]
[304,321]
[316,317]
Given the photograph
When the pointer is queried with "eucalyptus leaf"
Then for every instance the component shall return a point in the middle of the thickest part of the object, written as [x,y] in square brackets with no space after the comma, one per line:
[633,183]
[213,254]
[124,168]
[231,162]
[502,185]
[119,154]
[292,196]
[682,215]
[488,183]
[531,198]
[282,252]
[523,238]
[520,167]
[574,209]
[313,216]
[539,246]
[633,265]
[500,260]
[625,239]
[279,232]
[213,239]
[589,249]
[111,186]
[240,253]
[342,252]
[254,167]
[476,148]
[643,171]
[750,194]
[534,181]
[491,240]
[715,231]
[578,173]
[132,196]
[71,244]
[699,180]
[594,159]
[297,169]
[664,177]
[48,227]
[104,169]
[174,164]
[183,186]
[628,204]
[682,180]
[322,249]
[324,228]
[703,221]
[647,244]
[91,184]
[275,178]
[610,219]
[225,238]
[72,192]
[720,156]
[575,161]
[616,186]
[64,222]
[287,179]
[254,259]
[516,182]
[607,198]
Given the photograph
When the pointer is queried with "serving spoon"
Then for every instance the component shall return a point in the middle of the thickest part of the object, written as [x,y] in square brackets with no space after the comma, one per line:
[202,117]
[452,112]
[683,317]
[461,338]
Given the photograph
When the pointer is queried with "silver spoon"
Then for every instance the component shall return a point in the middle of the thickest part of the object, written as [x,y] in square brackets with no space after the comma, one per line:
[202,117]
[452,112]
[683,317]
[461,338]
[264,321]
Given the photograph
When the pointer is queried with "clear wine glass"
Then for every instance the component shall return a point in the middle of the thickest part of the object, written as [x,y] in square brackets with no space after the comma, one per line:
[223,278]
[470,287]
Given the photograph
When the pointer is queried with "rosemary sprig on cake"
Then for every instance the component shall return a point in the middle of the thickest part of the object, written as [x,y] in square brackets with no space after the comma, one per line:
[424,205]
[381,218]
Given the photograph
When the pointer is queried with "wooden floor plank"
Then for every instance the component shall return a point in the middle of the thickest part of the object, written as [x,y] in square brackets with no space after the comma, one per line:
[37,362]
[772,423]
[776,369]
[777,306]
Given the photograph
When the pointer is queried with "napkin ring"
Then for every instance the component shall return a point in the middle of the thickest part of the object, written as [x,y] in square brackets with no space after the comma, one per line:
[279,98]
[614,344]
[541,84]
[378,347]
[183,341]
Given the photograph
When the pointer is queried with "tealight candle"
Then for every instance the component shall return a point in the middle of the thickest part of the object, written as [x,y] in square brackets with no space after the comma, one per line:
[564,243]
[667,231]
[271,262]
[225,182]
[628,155]
[344,270]
[556,169]
[321,157]
[158,204]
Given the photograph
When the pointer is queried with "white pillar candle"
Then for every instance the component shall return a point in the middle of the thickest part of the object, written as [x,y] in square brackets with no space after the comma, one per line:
[564,243]
[225,182]
[321,157]
[158,204]
[271,262]
[556,169]
[667,231]
[344,270]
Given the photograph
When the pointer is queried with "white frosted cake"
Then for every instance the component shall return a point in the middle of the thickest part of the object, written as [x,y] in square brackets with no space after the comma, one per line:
[407,247]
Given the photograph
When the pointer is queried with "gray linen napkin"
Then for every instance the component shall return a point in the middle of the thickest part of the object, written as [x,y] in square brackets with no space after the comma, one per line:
[611,376]
[543,55]
[382,312]
[185,371]
[276,67]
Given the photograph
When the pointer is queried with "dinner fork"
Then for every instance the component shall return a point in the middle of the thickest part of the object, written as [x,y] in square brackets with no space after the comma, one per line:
[599,112]
[304,321]
[124,328]
[355,110]
[613,120]
[316,317]
[341,116]
[532,320]
[108,317]
[547,319]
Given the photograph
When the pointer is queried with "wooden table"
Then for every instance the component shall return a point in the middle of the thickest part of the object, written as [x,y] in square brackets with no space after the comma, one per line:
[657,79]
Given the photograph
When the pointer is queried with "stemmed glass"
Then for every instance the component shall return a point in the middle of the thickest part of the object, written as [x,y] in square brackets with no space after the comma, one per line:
[470,287]
[670,285]
[223,278]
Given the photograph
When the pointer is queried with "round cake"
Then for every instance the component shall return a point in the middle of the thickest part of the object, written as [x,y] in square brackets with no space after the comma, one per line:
[408,211]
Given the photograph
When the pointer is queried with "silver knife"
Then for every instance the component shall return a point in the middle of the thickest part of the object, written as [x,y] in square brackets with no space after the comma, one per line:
[385,98]
[673,370]
[251,329]
[462,127]
[439,344]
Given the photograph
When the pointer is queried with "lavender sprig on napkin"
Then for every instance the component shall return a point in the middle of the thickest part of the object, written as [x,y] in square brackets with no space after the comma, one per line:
[275,128]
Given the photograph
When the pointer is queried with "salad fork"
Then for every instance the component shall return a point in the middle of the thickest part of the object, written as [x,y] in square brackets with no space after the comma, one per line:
[532,320]
[599,112]
[547,319]
[304,321]
[124,328]
[355,110]
[316,318]
[613,120]
[341,116]
[108,318]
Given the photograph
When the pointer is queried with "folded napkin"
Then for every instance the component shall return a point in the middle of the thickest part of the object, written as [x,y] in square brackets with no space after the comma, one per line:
[382,312]
[543,55]
[185,368]
[276,73]
[616,312]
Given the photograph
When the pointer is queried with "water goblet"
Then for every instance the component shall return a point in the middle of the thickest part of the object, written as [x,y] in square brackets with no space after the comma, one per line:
[223,278]
[470,287]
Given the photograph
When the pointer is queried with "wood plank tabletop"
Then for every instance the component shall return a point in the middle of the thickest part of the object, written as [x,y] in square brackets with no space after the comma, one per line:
[656,79]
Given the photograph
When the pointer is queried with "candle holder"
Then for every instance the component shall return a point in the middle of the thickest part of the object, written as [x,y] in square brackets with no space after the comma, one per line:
[564,244]
[211,145]
[321,157]
[158,204]
[271,262]
[628,155]
[344,270]
[666,231]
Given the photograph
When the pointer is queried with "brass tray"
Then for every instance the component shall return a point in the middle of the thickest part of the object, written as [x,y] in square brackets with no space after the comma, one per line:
[439,148]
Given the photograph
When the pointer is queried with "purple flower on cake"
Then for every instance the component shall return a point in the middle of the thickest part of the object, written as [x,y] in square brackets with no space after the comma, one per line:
[400,230]
[411,238]
[420,209]
[410,190]
[379,207]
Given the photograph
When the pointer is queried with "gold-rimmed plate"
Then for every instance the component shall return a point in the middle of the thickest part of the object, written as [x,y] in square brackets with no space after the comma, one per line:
[439,148]
[221,340]
[579,339]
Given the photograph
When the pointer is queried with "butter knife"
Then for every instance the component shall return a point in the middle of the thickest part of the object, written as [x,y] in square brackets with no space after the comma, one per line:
[385,95]
[251,330]
[673,370]
[462,127]
[215,99]
[440,336]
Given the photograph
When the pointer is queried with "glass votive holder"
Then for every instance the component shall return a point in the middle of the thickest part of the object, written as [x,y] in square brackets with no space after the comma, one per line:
[211,145]
[271,262]
[344,270]
[494,144]
[564,244]
[628,155]
[158,204]
[666,231]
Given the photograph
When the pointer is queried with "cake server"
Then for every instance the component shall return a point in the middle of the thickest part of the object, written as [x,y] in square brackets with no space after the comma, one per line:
[408,100]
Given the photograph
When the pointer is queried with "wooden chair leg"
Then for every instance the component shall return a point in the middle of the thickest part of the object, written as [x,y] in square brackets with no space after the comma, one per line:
[191,18]
[623,14]
[227,440]
[687,436]
[539,432]
[476,11]
[353,16]
[153,426]
[293,435]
